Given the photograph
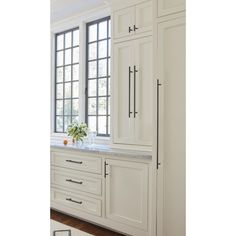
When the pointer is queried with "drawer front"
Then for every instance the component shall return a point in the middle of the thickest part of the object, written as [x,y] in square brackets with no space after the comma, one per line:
[77,202]
[78,161]
[76,182]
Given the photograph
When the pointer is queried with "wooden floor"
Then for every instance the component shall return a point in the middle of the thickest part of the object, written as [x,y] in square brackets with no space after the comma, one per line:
[81,225]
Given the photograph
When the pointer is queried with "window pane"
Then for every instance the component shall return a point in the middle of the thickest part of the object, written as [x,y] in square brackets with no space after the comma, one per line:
[59,107]
[68,39]
[92,69]
[109,47]
[75,92]
[76,72]
[102,68]
[109,122]
[92,123]
[102,105]
[59,124]
[109,86]
[75,119]
[92,51]
[102,87]
[76,38]
[59,75]
[75,106]
[60,58]
[67,121]
[109,67]
[59,91]
[102,124]
[76,55]
[109,25]
[67,90]
[92,32]
[102,49]
[103,30]
[67,56]
[109,104]
[92,87]
[60,42]
[91,106]
[68,73]
[67,108]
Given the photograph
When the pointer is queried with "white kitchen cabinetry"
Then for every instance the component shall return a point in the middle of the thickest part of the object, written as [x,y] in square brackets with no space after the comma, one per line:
[170,63]
[127,192]
[167,7]
[132,93]
[133,20]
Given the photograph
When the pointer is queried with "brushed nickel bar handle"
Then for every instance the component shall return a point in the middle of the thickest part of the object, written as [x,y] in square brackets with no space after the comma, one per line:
[158,85]
[135,71]
[130,30]
[105,169]
[130,71]
[71,200]
[77,162]
[72,181]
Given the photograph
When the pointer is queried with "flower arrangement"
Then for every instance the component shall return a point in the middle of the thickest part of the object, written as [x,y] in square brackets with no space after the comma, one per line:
[77,131]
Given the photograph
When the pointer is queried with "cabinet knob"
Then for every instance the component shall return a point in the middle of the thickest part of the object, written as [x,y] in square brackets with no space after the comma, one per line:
[130,29]
[135,28]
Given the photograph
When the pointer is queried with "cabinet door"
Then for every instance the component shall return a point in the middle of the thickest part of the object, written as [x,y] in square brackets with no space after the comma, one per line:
[123,92]
[143,86]
[171,72]
[127,192]
[123,19]
[166,7]
[143,16]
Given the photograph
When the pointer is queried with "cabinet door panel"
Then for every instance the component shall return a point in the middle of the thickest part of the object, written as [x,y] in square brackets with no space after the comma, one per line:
[143,15]
[123,124]
[166,7]
[143,98]
[126,193]
[171,72]
[123,19]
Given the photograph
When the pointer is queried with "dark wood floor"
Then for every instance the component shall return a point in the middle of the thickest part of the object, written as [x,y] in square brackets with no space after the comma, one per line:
[81,225]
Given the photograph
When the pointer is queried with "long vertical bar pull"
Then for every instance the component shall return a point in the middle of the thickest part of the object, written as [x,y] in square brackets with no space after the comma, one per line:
[135,71]
[158,163]
[130,71]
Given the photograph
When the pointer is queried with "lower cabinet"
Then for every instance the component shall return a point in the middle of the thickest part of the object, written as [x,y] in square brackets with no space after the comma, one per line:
[115,196]
[127,192]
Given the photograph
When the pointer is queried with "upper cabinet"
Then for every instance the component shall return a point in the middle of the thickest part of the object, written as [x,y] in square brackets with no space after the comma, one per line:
[167,7]
[133,20]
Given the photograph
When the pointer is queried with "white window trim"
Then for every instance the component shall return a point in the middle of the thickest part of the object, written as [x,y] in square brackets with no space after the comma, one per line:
[66,24]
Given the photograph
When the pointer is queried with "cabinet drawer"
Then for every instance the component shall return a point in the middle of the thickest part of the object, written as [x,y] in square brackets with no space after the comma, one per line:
[77,202]
[78,161]
[76,181]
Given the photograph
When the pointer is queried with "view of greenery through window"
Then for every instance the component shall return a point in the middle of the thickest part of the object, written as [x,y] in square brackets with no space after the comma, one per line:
[67,79]
[98,76]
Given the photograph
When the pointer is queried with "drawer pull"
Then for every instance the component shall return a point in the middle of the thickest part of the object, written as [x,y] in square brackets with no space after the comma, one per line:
[77,162]
[71,200]
[72,181]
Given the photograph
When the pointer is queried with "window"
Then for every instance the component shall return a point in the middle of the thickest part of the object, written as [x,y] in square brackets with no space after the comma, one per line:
[66,79]
[98,76]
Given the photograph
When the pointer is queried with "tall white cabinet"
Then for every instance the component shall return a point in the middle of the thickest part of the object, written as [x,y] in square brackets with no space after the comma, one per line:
[132,92]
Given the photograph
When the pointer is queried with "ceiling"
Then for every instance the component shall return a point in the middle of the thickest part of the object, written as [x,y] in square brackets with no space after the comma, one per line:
[61,9]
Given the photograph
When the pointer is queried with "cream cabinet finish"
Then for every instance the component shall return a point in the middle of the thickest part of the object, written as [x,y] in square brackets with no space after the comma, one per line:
[171,174]
[127,193]
[167,7]
[133,20]
[132,92]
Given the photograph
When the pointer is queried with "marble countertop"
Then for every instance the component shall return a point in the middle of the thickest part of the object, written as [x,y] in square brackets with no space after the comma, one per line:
[103,149]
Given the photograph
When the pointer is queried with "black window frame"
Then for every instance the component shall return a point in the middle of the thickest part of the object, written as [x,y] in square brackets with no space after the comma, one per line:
[108,76]
[63,99]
